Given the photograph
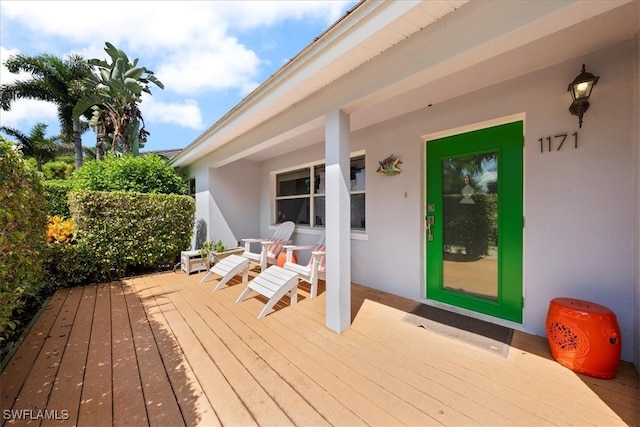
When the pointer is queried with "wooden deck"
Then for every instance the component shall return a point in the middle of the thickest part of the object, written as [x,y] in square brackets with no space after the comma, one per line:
[163,350]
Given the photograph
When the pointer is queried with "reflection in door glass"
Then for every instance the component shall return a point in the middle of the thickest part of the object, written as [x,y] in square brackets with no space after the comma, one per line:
[470,224]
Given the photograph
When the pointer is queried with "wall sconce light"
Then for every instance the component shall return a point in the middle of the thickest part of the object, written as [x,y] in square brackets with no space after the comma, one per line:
[580,89]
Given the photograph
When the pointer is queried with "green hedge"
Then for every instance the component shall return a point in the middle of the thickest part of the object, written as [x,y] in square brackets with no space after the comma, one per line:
[57,170]
[127,231]
[22,233]
[144,174]
[67,265]
[56,194]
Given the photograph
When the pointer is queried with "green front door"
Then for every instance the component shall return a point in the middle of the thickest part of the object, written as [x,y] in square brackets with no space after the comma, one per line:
[474,220]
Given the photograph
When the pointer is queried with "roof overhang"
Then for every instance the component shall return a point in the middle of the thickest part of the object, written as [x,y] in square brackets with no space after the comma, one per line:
[384,59]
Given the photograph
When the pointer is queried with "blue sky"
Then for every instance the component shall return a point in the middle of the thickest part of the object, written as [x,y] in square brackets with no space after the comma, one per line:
[208,54]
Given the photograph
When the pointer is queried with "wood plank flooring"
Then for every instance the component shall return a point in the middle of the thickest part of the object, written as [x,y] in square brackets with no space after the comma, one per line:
[163,350]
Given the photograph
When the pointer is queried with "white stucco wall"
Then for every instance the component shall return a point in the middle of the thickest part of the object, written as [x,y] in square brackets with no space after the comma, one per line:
[227,199]
[234,192]
[580,204]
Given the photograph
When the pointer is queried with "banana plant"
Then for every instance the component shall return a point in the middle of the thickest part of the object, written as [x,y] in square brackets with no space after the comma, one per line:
[113,93]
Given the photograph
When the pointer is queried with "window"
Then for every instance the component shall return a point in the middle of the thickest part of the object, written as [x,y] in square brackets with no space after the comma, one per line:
[298,201]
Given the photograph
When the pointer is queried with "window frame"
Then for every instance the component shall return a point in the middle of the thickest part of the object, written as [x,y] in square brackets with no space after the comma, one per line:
[311,166]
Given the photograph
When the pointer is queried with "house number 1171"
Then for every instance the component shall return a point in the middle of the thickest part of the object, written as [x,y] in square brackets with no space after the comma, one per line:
[558,141]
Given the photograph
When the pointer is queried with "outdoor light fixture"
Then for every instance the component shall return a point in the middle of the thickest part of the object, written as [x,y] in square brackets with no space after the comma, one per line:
[580,89]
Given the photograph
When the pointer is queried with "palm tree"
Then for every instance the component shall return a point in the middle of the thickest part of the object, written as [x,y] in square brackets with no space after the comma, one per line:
[36,144]
[113,95]
[55,80]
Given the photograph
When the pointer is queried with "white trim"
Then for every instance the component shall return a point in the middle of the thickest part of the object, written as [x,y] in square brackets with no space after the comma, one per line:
[359,236]
[316,231]
[314,163]
[475,126]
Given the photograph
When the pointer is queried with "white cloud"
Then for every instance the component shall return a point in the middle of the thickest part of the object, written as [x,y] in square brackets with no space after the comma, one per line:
[5,75]
[215,66]
[192,46]
[150,24]
[189,38]
[186,114]
[23,111]
[252,14]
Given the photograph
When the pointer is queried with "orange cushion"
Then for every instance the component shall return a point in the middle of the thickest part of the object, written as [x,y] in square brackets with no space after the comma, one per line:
[273,250]
[282,258]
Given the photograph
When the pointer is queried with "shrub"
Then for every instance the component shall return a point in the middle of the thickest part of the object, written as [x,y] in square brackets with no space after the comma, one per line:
[67,265]
[56,195]
[143,174]
[22,229]
[129,231]
[57,170]
[60,230]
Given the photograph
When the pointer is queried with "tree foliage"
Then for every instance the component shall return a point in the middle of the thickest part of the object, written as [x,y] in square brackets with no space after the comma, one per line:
[36,144]
[54,80]
[113,94]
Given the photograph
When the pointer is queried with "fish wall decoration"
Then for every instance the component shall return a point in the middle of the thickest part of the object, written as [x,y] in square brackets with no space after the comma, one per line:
[389,166]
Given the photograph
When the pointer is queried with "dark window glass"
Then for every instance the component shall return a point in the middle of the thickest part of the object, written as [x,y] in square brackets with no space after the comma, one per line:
[357,211]
[296,210]
[319,211]
[192,187]
[293,183]
[318,187]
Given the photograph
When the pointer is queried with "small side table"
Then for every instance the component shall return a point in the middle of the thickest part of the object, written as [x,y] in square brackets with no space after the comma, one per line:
[192,262]
[584,337]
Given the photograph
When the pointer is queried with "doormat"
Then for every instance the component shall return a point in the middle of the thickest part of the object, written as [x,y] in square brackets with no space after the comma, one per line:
[481,334]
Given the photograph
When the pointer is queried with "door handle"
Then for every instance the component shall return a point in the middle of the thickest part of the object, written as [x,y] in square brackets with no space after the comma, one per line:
[430,223]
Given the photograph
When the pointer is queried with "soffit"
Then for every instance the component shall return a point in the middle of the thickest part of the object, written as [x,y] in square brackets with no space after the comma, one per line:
[570,31]
[439,63]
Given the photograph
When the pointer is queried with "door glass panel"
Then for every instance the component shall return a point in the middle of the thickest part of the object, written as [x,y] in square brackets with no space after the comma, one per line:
[470,224]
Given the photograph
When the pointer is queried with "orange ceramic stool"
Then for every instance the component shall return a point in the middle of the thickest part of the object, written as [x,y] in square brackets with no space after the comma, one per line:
[584,337]
[282,258]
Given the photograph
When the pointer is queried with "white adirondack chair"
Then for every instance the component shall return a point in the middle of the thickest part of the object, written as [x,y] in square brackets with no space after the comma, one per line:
[315,268]
[274,283]
[271,247]
[228,268]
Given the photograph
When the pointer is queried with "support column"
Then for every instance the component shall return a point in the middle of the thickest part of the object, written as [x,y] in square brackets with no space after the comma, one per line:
[203,207]
[338,221]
